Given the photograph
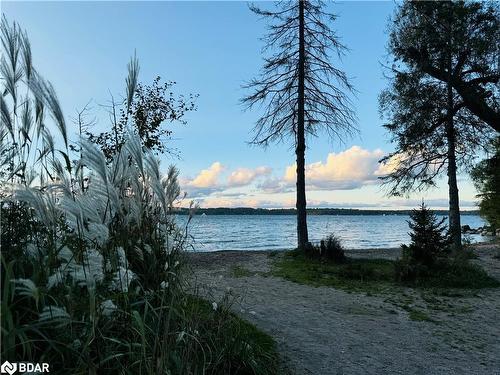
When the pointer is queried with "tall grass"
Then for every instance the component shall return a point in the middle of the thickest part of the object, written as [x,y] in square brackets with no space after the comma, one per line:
[92,260]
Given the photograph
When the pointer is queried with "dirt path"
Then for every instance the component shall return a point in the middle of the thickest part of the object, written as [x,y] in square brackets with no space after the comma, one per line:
[327,331]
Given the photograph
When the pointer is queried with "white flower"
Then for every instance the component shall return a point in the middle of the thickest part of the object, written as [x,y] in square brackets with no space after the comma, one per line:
[214,306]
[108,307]
[176,263]
[164,285]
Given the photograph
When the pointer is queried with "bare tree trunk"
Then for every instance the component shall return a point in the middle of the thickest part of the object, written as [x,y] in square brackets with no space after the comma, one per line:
[454,209]
[300,147]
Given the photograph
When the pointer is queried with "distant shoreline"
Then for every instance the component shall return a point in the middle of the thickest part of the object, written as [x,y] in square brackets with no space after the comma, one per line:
[310,211]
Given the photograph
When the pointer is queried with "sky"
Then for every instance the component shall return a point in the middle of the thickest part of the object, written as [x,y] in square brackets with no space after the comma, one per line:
[212,49]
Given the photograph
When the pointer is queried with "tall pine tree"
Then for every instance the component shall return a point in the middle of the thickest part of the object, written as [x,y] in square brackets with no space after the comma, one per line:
[430,121]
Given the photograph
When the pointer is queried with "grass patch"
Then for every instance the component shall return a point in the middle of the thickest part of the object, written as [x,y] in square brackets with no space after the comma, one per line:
[368,275]
[241,348]
[457,276]
[375,275]
[418,315]
[240,271]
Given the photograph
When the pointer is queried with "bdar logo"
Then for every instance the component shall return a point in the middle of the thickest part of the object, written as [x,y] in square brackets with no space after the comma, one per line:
[8,368]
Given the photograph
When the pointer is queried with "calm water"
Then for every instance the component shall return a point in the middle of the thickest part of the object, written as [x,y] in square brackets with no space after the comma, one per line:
[252,232]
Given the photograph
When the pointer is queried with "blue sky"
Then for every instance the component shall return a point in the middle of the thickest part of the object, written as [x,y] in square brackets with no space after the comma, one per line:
[212,48]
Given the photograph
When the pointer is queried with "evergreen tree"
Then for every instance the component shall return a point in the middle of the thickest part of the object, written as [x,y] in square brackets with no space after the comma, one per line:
[432,122]
[429,241]
[302,91]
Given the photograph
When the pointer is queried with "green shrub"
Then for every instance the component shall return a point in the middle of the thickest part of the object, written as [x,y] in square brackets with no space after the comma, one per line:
[329,249]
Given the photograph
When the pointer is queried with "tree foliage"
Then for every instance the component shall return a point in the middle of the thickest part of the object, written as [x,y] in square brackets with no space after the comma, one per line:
[327,107]
[472,29]
[415,103]
[148,109]
[486,178]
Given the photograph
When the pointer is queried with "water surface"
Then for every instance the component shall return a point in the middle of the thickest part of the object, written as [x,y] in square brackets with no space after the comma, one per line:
[263,232]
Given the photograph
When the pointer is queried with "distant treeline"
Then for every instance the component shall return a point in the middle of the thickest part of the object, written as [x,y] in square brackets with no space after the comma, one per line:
[310,211]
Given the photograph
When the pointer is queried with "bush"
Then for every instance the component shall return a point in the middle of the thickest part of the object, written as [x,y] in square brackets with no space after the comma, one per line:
[329,249]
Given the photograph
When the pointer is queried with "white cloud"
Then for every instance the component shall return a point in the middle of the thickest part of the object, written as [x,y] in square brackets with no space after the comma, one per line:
[245,176]
[346,170]
[207,178]
[211,180]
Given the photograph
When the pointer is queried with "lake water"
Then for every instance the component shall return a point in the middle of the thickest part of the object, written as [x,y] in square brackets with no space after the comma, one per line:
[262,232]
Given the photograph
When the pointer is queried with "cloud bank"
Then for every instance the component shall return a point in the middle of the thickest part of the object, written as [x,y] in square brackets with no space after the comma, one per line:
[349,170]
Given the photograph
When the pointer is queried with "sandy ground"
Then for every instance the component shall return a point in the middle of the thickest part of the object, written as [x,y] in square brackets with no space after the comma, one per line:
[322,330]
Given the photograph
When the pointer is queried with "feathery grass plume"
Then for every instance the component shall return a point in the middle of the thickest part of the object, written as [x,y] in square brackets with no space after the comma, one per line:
[54,315]
[97,232]
[26,122]
[27,288]
[94,159]
[27,56]
[56,279]
[5,116]
[107,308]
[87,274]
[39,116]
[63,178]
[171,185]
[93,262]
[122,279]
[65,254]
[48,143]
[155,183]
[131,80]
[10,37]
[44,204]
[45,93]
[134,148]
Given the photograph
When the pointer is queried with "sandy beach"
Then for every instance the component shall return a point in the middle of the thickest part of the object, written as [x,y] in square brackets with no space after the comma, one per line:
[322,330]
